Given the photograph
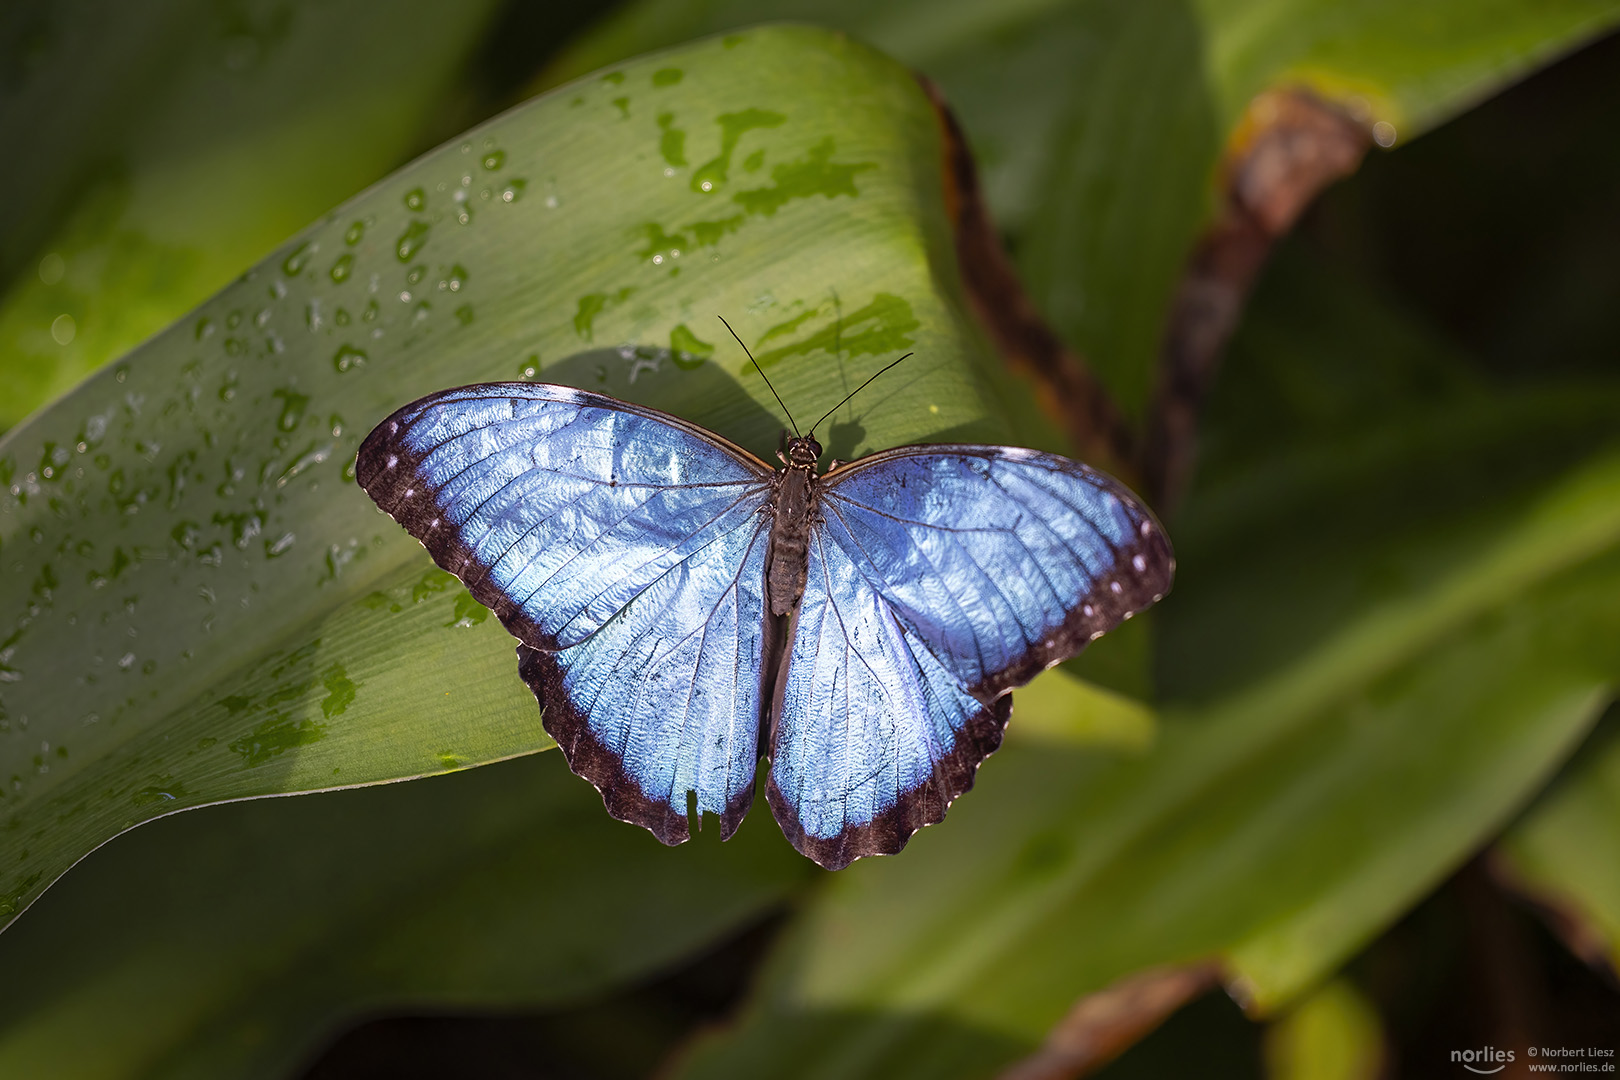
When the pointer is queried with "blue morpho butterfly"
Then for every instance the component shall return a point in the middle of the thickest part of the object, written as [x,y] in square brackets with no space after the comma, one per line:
[679,603]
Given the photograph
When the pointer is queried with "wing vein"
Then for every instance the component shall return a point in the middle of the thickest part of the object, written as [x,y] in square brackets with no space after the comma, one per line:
[866,556]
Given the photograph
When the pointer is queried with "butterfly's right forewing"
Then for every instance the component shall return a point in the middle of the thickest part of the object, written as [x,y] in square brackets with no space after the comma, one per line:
[625,549]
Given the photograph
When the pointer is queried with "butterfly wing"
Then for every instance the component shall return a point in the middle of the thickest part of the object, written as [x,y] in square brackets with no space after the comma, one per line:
[625,549]
[939,578]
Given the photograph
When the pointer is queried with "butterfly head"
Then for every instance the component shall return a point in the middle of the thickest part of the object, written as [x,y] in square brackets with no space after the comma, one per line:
[802,451]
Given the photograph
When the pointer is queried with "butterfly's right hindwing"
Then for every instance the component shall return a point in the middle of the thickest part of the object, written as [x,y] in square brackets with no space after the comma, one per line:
[625,550]
[874,737]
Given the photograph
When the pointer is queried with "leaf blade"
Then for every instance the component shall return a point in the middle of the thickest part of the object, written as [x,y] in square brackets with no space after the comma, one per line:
[184,524]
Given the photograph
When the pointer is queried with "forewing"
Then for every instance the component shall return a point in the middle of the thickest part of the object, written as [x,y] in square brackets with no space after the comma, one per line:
[1002,561]
[940,577]
[625,549]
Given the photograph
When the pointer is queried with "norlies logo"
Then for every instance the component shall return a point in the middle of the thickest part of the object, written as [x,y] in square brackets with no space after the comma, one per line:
[1485,1061]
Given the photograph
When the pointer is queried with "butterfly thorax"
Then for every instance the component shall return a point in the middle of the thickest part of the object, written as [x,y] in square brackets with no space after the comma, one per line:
[793,508]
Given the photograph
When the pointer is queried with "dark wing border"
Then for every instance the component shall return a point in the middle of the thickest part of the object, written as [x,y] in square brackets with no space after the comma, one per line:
[591,760]
[890,831]
[386,469]
[1116,596]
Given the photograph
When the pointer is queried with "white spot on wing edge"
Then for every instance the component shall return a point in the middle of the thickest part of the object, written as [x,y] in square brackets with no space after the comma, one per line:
[1140,562]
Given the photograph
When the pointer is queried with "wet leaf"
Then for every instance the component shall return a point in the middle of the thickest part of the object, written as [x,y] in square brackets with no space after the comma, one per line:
[1393,618]
[229,943]
[201,604]
[160,149]
[1098,123]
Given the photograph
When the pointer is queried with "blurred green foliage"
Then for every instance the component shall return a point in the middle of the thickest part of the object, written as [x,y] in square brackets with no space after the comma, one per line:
[1394,623]
[1098,123]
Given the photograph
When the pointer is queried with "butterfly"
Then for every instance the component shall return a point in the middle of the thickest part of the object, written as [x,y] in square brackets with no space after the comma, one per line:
[682,606]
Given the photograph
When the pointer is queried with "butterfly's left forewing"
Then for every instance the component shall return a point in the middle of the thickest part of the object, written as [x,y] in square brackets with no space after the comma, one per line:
[940,577]
[625,549]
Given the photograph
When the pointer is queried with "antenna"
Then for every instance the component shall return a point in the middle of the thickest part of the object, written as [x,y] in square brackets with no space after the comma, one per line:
[852,393]
[767,379]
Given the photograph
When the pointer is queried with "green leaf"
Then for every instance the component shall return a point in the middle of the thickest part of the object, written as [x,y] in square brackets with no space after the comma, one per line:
[1390,630]
[1058,708]
[1561,854]
[1334,1034]
[228,943]
[161,148]
[201,603]
[1340,427]
[1099,123]
[1275,834]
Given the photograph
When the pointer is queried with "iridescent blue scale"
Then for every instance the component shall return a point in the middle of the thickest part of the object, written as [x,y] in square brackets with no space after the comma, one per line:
[680,604]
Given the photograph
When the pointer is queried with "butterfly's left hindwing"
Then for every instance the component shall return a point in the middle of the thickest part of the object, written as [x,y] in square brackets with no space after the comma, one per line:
[625,549]
[940,577]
